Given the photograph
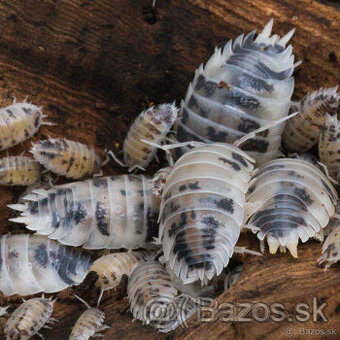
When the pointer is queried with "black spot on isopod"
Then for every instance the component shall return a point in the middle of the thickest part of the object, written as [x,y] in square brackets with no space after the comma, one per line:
[27,110]
[194,185]
[48,155]
[234,165]
[80,213]
[247,125]
[99,182]
[37,121]
[216,136]
[123,192]
[101,213]
[41,255]
[193,214]
[34,207]
[226,204]
[210,221]
[182,188]
[302,193]
[72,159]
[255,145]
[239,158]
[12,254]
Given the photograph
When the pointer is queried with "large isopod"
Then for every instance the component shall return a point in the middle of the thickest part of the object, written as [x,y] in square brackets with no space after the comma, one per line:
[30,264]
[105,212]
[289,199]
[244,86]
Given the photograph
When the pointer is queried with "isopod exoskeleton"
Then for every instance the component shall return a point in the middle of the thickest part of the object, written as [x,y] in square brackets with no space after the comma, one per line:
[19,170]
[29,318]
[289,199]
[66,158]
[329,146]
[202,210]
[19,122]
[30,264]
[302,131]
[152,125]
[104,212]
[150,290]
[244,86]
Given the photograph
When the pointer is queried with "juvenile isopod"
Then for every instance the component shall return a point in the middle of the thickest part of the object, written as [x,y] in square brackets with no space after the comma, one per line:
[19,170]
[302,131]
[30,264]
[244,86]
[104,212]
[289,199]
[66,158]
[19,122]
[27,320]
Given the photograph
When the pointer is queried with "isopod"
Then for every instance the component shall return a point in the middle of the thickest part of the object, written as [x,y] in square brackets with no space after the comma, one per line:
[66,158]
[289,199]
[29,318]
[244,86]
[30,264]
[104,212]
[19,170]
[202,210]
[19,122]
[302,132]
[152,125]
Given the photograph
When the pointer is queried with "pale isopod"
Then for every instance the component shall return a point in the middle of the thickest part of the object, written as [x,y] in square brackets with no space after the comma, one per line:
[244,86]
[19,122]
[105,212]
[19,170]
[67,158]
[289,199]
[302,131]
[30,264]
[202,210]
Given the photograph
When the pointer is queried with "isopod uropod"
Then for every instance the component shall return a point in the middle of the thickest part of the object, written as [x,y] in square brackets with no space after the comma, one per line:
[202,210]
[67,158]
[105,212]
[19,170]
[30,264]
[289,199]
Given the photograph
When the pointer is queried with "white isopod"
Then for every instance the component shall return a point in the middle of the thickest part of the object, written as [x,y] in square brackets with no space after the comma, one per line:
[67,158]
[19,170]
[302,131]
[289,199]
[202,210]
[105,212]
[19,122]
[244,86]
[29,318]
[30,264]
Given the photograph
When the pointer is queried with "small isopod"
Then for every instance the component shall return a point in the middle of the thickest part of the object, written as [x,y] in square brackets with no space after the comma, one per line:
[19,122]
[30,264]
[289,199]
[104,212]
[302,131]
[29,318]
[66,158]
[19,170]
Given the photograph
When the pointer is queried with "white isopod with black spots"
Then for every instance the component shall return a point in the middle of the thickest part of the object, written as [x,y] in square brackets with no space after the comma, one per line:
[19,170]
[289,199]
[202,210]
[66,158]
[104,212]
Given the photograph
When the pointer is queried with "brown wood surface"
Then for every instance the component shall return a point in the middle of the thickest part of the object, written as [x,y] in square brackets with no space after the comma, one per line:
[95,64]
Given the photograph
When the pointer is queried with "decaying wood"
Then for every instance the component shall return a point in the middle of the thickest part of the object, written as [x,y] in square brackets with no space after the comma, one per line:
[95,64]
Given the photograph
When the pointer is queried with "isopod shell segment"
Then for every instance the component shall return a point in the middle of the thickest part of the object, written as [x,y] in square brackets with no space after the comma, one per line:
[244,86]
[19,122]
[152,125]
[19,170]
[202,210]
[289,199]
[104,212]
[28,319]
[66,158]
[30,264]
[302,131]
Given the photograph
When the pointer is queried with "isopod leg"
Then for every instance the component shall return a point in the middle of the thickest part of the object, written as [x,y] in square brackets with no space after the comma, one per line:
[244,250]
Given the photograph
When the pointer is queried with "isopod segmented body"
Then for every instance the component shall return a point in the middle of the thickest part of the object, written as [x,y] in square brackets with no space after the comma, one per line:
[202,210]
[29,318]
[288,200]
[19,170]
[302,131]
[67,158]
[244,86]
[30,264]
[105,212]
[19,122]
[152,125]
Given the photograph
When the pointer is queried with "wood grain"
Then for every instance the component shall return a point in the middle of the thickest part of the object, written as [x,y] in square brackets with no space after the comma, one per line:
[95,64]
